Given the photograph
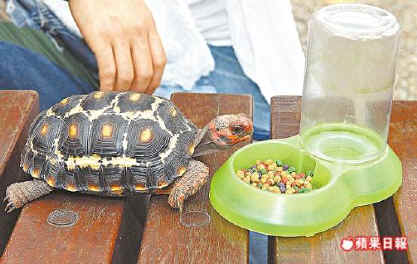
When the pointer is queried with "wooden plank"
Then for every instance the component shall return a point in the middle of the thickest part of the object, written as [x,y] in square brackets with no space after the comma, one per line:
[17,110]
[108,229]
[323,247]
[92,239]
[165,240]
[88,241]
[403,140]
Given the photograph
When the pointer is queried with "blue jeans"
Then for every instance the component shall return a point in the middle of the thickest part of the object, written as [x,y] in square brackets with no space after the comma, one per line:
[23,67]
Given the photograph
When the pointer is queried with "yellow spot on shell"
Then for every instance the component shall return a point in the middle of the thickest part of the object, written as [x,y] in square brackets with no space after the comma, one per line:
[73,131]
[98,95]
[93,188]
[44,129]
[173,112]
[116,188]
[95,166]
[181,171]
[64,101]
[191,149]
[139,187]
[107,131]
[35,173]
[146,135]
[71,188]
[51,181]
[134,97]
[25,167]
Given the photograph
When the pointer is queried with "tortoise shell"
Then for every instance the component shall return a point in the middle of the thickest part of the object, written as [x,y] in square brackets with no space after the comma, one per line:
[109,144]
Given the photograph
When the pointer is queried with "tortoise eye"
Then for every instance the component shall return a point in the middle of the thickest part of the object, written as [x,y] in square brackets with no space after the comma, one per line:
[237,129]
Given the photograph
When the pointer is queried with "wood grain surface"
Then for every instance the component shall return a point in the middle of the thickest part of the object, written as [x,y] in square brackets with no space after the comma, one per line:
[108,230]
[403,140]
[165,240]
[17,110]
[323,247]
[90,240]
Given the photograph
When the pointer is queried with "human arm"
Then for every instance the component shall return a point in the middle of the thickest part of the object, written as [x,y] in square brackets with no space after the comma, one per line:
[123,36]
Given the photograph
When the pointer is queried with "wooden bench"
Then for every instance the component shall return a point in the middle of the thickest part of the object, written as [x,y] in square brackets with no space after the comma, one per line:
[144,229]
[403,140]
[110,230]
[165,240]
[17,110]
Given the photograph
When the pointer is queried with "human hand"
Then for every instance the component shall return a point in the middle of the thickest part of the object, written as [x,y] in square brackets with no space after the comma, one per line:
[123,36]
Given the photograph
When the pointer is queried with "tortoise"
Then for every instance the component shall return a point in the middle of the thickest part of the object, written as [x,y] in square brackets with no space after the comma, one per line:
[116,144]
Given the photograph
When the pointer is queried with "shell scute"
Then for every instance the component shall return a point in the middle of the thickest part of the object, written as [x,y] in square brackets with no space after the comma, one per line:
[36,121]
[65,105]
[149,146]
[107,135]
[111,177]
[172,118]
[109,144]
[38,167]
[53,173]
[98,100]
[136,179]
[75,135]
[130,102]
[44,134]
[70,180]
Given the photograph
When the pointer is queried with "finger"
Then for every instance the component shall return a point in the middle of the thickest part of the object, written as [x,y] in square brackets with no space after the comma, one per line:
[158,60]
[124,65]
[142,59]
[106,66]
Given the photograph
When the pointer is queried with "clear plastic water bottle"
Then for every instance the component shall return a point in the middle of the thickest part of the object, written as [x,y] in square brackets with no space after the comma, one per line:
[349,82]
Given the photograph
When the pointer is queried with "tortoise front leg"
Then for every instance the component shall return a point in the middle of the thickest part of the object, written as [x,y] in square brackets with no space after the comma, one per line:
[18,194]
[193,179]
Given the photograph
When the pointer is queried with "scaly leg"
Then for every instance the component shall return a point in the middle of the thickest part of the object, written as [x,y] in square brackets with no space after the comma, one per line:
[18,194]
[193,179]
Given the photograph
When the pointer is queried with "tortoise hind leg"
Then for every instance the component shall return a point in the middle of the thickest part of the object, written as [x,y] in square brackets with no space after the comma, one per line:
[194,178]
[18,194]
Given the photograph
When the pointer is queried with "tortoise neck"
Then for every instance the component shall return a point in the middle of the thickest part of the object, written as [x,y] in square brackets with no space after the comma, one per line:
[204,144]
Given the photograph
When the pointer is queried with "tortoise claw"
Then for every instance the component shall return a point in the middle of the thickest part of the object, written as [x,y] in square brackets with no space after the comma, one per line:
[9,207]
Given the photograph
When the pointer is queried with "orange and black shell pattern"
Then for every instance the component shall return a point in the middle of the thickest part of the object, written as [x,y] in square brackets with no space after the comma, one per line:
[109,144]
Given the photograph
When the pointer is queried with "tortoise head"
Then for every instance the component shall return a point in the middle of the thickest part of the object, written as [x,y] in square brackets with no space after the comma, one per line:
[227,130]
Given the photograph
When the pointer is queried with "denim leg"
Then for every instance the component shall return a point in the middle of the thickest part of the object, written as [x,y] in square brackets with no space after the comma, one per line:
[22,69]
[39,53]
[34,18]
[203,85]
[228,77]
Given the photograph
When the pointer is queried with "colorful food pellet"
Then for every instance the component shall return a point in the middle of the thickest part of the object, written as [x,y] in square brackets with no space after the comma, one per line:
[276,177]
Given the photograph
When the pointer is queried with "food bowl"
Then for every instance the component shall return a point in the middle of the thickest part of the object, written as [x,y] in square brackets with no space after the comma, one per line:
[337,189]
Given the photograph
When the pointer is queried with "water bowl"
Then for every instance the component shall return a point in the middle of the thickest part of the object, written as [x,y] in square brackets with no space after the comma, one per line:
[337,189]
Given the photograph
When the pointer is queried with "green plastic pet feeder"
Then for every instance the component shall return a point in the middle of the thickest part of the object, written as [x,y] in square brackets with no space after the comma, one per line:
[346,110]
